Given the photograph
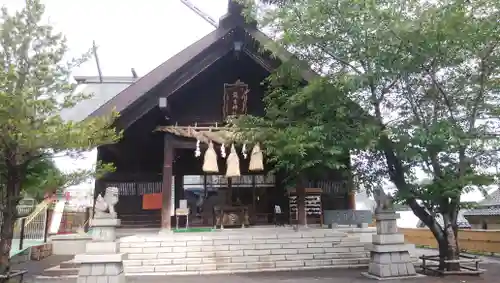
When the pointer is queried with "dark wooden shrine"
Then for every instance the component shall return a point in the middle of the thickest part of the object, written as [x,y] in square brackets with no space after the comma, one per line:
[192,84]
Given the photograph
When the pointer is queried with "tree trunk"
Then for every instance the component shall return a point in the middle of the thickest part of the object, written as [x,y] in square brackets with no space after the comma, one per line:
[445,237]
[448,246]
[9,215]
[6,240]
[448,250]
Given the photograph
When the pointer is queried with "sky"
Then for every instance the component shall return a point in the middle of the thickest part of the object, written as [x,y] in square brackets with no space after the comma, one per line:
[129,34]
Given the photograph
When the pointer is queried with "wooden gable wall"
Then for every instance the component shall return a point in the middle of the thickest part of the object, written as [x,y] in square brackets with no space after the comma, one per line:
[200,101]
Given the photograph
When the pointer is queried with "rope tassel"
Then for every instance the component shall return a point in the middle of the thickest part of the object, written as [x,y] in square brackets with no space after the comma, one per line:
[197,152]
[210,160]
[244,151]
[256,159]
[233,164]
[223,151]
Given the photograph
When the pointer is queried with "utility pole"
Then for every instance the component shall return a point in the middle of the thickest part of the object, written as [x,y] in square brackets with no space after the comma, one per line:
[94,50]
[200,13]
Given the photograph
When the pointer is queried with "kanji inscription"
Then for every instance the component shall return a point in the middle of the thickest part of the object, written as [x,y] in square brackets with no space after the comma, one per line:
[235,99]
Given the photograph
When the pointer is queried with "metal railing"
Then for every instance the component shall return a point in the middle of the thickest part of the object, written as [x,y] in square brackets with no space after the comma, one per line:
[34,226]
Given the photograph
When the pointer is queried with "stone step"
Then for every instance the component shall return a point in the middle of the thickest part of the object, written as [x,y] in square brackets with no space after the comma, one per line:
[58,271]
[198,258]
[239,244]
[219,266]
[230,251]
[69,264]
[53,279]
[242,251]
[250,236]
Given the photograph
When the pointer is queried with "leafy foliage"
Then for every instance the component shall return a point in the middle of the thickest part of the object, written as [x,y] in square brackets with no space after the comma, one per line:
[42,176]
[35,87]
[428,74]
[299,130]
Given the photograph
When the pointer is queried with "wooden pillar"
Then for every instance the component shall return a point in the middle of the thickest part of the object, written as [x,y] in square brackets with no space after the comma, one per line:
[254,205]
[351,200]
[301,201]
[351,192]
[168,152]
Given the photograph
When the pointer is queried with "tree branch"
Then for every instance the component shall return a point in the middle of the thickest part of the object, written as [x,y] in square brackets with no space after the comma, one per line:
[442,92]
[482,87]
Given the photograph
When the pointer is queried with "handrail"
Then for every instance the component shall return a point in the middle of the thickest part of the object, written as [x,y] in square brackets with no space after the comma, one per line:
[38,209]
[36,229]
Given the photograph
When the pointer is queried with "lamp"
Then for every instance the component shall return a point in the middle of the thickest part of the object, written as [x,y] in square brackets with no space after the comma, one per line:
[238,45]
[162,103]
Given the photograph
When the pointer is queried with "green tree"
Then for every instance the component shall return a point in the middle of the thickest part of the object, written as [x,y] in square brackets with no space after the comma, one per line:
[34,87]
[301,140]
[42,177]
[428,74]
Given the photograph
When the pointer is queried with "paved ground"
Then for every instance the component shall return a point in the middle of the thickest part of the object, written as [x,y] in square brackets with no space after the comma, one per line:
[26,243]
[318,276]
[35,268]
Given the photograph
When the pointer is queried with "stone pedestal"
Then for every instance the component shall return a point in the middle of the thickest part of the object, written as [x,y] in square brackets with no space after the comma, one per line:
[102,261]
[389,255]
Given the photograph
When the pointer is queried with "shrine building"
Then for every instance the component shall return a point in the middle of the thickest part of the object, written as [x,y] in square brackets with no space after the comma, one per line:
[171,115]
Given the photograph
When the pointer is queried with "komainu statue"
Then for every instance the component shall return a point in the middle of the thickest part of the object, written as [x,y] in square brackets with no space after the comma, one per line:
[105,206]
[384,202]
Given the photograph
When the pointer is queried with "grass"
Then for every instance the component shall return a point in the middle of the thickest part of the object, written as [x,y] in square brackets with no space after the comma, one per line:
[193,230]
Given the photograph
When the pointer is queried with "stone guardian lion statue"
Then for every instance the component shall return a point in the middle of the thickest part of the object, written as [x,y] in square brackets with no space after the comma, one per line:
[384,202]
[105,206]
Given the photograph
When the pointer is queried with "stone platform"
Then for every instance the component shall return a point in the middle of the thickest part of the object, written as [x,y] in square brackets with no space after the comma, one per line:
[242,250]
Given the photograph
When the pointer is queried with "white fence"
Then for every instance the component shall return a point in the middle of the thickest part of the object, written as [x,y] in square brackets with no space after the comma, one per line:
[34,225]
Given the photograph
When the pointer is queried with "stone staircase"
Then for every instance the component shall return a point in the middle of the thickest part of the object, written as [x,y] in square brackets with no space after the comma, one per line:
[242,250]
[65,269]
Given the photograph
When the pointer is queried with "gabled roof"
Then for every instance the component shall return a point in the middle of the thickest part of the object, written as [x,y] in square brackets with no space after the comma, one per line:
[491,199]
[136,90]
[461,220]
[490,206]
[191,55]
[100,91]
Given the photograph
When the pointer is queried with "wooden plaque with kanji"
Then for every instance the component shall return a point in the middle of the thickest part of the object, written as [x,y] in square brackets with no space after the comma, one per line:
[235,99]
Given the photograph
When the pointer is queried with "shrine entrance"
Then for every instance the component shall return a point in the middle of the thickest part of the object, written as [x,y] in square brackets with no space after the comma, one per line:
[248,194]
[214,198]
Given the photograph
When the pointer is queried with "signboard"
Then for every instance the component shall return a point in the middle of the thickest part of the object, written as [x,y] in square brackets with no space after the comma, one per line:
[235,99]
[347,217]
